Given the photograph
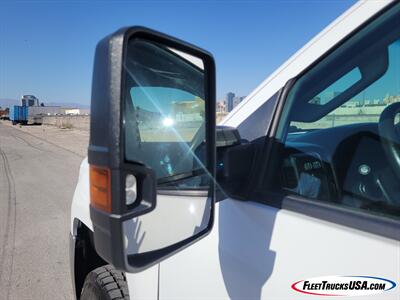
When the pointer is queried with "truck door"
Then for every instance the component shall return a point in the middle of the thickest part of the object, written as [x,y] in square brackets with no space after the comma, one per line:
[321,192]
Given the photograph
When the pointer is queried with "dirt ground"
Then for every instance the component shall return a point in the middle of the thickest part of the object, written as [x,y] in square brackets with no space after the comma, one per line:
[39,167]
[72,140]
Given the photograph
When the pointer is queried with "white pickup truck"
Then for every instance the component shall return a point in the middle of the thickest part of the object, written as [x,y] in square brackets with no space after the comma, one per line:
[295,195]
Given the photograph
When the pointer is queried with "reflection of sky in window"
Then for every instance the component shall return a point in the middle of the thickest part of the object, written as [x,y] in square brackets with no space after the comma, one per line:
[389,83]
[158,99]
[337,87]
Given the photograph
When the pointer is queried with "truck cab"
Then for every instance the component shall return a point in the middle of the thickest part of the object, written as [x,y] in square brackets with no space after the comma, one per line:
[29,100]
[297,186]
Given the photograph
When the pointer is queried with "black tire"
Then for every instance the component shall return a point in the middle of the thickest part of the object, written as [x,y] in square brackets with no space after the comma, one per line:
[105,283]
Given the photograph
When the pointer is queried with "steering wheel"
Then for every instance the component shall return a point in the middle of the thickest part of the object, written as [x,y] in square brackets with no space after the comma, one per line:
[390,137]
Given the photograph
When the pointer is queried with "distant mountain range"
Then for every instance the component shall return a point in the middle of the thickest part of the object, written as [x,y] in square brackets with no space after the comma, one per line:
[10,102]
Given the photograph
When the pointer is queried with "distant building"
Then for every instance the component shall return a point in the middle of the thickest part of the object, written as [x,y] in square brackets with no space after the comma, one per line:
[186,111]
[221,107]
[389,99]
[74,111]
[237,100]
[229,101]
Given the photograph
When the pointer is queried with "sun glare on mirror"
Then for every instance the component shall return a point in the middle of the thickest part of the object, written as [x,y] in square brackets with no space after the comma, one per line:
[167,122]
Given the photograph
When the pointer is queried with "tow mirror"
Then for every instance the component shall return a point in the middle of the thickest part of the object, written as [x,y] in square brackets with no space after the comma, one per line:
[152,147]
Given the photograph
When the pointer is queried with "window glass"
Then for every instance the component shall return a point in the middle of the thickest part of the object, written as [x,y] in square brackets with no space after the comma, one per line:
[335,89]
[338,134]
[364,107]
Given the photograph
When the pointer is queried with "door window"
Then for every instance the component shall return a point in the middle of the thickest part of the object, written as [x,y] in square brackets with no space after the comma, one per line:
[339,139]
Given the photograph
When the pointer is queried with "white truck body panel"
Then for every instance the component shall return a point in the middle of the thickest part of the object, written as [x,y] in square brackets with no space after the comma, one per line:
[36,113]
[81,199]
[44,110]
[257,252]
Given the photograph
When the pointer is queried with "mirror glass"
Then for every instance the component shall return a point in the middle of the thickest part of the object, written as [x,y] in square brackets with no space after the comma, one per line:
[164,129]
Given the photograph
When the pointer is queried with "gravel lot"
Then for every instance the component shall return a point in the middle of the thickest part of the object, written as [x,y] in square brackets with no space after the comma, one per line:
[38,172]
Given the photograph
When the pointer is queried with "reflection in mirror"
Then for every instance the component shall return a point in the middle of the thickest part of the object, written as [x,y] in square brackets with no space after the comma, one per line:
[164,129]
[175,219]
[164,110]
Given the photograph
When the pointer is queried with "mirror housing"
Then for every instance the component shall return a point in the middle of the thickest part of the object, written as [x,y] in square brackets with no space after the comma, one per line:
[109,167]
[234,160]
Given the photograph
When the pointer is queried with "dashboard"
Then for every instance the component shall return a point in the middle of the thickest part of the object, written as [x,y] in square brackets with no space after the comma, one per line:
[307,171]
[345,164]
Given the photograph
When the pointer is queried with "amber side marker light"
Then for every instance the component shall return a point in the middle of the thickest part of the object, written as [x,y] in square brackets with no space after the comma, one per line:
[100,188]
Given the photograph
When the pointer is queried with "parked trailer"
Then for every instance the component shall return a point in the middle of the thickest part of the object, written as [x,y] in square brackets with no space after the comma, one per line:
[18,114]
[31,114]
[36,113]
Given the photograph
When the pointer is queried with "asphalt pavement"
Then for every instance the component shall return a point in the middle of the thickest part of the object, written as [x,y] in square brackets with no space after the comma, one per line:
[37,181]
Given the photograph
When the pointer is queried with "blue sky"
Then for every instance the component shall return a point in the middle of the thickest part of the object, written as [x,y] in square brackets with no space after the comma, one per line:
[47,47]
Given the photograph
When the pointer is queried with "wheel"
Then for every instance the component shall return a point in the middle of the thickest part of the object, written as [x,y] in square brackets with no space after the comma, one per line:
[105,283]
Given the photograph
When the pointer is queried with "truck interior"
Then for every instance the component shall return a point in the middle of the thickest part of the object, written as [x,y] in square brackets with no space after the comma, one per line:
[340,129]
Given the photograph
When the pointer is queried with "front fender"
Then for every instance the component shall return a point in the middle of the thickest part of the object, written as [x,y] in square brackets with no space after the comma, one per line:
[80,211]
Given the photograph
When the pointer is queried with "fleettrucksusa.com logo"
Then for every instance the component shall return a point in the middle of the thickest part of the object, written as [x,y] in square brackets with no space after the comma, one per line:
[343,285]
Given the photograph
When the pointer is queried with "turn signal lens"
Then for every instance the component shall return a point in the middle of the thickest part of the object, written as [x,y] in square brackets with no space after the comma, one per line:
[100,188]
